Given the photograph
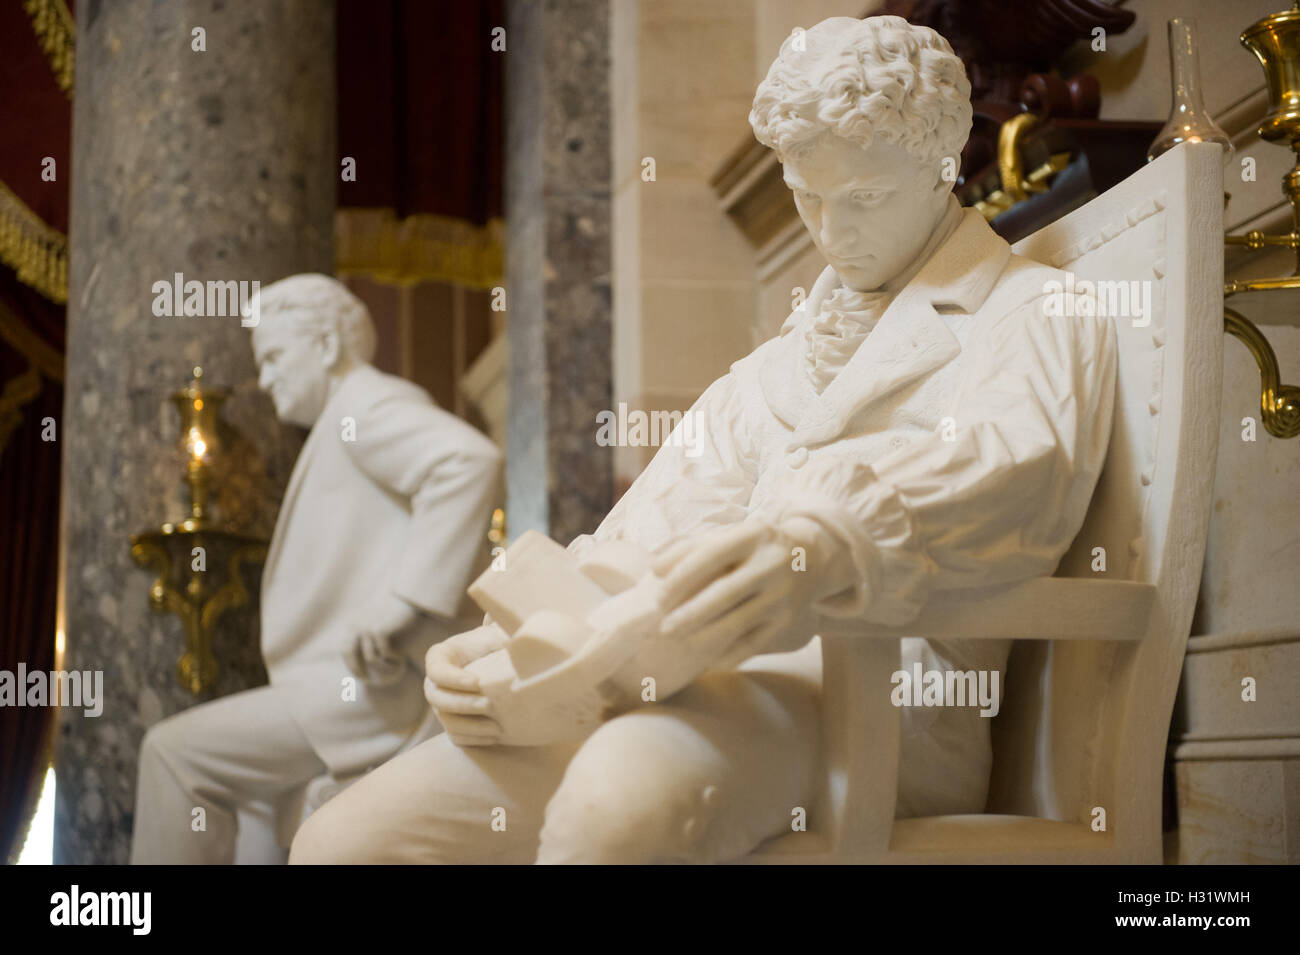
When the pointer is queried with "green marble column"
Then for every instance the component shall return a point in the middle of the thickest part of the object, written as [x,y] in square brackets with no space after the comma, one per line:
[558,264]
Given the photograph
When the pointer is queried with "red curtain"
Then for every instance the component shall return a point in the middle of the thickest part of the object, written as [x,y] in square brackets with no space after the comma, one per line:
[29,532]
[420,106]
[36,119]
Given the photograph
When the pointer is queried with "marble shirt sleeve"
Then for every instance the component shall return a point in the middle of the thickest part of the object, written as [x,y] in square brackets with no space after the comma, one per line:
[702,477]
[999,503]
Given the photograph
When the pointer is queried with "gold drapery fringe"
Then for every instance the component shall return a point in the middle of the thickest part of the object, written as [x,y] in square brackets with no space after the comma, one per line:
[419,248]
[52,24]
[36,252]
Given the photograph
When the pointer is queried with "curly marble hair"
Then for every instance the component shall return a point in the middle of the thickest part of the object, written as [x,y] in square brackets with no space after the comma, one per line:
[860,79]
[316,302]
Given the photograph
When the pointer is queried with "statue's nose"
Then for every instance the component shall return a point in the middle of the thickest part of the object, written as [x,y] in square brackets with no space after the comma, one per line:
[839,237]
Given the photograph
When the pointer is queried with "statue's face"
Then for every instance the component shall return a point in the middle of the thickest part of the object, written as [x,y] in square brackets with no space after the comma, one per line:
[293,367]
[869,211]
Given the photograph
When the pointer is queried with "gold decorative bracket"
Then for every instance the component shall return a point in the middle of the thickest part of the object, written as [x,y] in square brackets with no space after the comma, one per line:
[1279,404]
[191,593]
[1275,42]
[1017,186]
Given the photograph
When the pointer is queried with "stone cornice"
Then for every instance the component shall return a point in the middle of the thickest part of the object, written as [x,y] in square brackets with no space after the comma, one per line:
[753,193]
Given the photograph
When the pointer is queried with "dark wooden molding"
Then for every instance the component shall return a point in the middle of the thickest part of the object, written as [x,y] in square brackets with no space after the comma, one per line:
[752,192]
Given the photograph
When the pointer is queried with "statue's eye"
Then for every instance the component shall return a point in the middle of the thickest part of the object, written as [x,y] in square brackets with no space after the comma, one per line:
[867,196]
[807,197]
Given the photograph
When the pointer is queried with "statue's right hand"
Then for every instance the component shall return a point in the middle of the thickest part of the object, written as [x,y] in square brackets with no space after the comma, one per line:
[465,713]
[444,664]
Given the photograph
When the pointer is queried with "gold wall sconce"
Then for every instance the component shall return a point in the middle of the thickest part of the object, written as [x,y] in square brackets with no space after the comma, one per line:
[188,556]
[1275,41]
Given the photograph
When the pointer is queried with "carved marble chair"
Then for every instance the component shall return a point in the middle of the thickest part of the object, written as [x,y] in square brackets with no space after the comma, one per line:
[1090,684]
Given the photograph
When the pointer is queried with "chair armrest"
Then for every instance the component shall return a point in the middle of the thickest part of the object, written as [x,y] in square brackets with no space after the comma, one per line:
[1045,608]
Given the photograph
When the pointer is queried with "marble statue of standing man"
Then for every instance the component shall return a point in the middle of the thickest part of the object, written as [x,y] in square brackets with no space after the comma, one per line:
[382,525]
[922,424]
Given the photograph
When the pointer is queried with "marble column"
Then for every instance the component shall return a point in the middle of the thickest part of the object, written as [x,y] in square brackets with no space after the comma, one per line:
[558,264]
[203,144]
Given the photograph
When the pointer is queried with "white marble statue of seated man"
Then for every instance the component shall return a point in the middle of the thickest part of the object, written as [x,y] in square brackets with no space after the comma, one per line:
[382,526]
[923,423]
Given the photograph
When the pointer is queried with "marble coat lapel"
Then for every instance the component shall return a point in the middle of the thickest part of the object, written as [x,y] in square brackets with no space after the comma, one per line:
[301,467]
[781,376]
[909,341]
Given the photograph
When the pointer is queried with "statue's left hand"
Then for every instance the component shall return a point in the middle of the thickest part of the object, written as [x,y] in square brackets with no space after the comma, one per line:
[374,655]
[736,590]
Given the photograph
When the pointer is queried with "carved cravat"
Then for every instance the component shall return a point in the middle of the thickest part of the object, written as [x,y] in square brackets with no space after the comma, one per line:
[845,320]
[846,317]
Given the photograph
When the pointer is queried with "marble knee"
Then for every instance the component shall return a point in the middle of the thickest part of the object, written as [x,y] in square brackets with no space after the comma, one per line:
[331,836]
[640,790]
[164,749]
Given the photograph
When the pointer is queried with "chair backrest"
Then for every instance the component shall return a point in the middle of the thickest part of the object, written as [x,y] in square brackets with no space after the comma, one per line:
[1084,724]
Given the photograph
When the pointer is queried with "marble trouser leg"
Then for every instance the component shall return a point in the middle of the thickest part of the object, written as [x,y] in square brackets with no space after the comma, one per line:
[216,756]
[438,804]
[704,777]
